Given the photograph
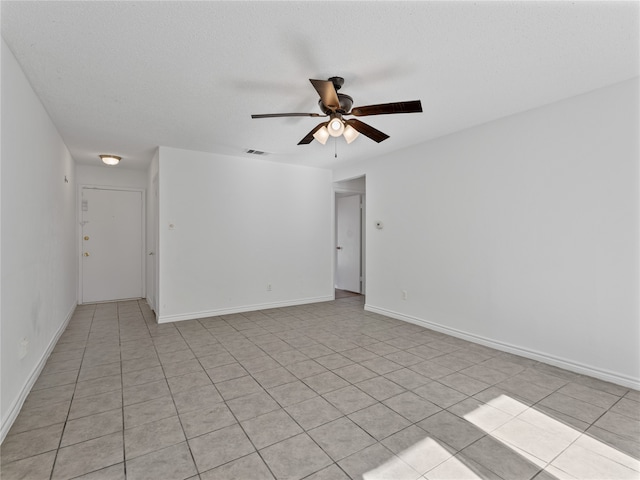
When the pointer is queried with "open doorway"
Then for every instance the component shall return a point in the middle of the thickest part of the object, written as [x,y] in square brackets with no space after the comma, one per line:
[350,212]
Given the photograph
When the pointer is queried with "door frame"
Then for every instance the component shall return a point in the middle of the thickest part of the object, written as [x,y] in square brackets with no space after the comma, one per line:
[79,233]
[343,187]
[154,233]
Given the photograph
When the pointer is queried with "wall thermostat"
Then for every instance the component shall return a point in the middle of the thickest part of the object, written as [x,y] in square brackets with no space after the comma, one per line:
[379,225]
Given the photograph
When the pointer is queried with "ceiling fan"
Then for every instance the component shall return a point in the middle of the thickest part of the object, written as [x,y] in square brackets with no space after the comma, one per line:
[336,105]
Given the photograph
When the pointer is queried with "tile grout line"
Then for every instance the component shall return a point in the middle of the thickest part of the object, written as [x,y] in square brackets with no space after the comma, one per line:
[186,438]
[239,423]
[304,431]
[84,351]
[123,403]
[124,451]
[257,451]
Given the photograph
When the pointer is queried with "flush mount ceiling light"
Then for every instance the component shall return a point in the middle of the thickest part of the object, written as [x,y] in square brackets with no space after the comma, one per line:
[110,159]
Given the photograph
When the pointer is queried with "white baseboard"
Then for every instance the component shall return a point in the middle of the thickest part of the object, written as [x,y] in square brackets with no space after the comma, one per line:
[240,309]
[564,363]
[16,406]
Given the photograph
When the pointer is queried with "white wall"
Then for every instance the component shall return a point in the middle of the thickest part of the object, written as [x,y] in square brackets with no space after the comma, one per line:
[39,262]
[241,224]
[117,176]
[521,233]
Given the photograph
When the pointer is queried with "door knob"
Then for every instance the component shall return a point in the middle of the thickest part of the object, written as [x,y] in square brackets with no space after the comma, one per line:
[86,237]
[86,254]
[338,248]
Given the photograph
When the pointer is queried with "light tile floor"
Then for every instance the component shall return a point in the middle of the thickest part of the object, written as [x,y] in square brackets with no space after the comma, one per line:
[324,391]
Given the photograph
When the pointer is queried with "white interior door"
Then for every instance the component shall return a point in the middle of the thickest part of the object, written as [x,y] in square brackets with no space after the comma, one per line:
[348,243]
[111,244]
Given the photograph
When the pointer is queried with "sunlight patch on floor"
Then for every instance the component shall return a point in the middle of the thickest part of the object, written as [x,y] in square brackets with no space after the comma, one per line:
[550,444]
[544,442]
[423,456]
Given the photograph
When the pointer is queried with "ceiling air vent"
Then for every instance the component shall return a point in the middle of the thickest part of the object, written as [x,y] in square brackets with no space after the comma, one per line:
[256,152]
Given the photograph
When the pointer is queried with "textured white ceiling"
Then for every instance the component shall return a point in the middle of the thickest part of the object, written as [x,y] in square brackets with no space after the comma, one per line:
[125,77]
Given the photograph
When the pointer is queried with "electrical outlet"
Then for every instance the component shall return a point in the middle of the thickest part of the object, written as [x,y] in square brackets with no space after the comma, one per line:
[268,287]
[404,294]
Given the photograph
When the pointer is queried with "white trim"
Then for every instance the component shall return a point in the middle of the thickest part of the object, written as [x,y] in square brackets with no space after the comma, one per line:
[7,422]
[564,363]
[154,232]
[245,308]
[334,242]
[143,194]
[100,302]
[339,189]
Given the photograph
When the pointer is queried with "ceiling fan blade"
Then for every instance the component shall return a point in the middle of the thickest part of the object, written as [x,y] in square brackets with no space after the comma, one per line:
[327,93]
[275,115]
[309,138]
[386,108]
[367,130]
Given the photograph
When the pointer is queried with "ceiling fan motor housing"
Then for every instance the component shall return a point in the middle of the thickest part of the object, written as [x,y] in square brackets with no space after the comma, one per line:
[346,102]
[337,82]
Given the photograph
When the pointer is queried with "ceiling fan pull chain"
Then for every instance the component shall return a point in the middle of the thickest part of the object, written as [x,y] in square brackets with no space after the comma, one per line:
[335,143]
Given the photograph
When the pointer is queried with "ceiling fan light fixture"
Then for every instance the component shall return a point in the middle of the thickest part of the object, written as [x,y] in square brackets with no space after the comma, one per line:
[336,127]
[321,135]
[110,159]
[350,133]
[335,105]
